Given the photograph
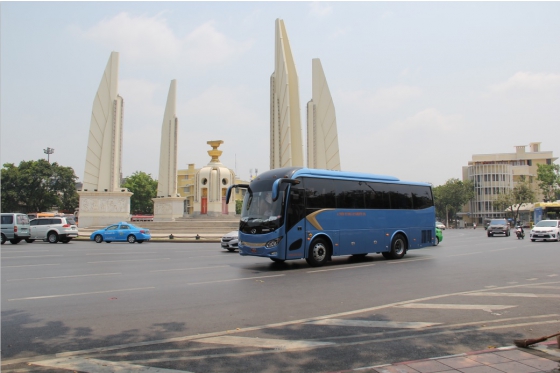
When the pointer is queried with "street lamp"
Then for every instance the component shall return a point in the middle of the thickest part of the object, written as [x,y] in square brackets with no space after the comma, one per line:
[48,151]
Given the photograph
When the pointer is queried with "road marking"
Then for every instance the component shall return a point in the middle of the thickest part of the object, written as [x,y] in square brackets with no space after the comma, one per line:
[29,256]
[71,295]
[273,325]
[31,265]
[552,275]
[338,269]
[101,366]
[48,278]
[187,269]
[542,287]
[131,260]
[374,324]
[234,279]
[483,307]
[278,344]
[125,253]
[523,295]
[408,260]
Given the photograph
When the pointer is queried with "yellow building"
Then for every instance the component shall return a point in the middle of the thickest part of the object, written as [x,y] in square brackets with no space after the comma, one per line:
[495,174]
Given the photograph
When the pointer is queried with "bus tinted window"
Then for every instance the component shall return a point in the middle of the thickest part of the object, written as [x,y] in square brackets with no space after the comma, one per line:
[320,193]
[349,195]
[378,196]
[421,197]
[400,196]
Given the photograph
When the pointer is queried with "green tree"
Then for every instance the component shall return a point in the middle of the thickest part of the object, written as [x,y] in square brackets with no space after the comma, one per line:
[38,186]
[144,189]
[504,202]
[238,206]
[450,198]
[522,194]
[548,176]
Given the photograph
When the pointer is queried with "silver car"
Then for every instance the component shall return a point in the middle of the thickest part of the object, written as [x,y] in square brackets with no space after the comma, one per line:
[15,227]
[498,226]
[230,241]
[53,230]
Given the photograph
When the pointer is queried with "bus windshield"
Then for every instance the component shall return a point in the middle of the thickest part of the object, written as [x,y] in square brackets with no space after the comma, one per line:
[259,214]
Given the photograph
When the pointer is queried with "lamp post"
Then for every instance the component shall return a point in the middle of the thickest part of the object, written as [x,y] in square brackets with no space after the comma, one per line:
[48,151]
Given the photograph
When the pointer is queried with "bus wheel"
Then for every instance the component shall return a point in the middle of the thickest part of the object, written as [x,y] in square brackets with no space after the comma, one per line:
[398,248]
[318,253]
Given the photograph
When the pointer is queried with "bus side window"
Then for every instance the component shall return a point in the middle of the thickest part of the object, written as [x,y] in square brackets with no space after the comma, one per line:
[296,207]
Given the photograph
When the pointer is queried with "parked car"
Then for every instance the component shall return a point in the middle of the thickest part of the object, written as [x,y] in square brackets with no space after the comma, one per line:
[546,230]
[230,241]
[498,226]
[121,232]
[53,230]
[439,236]
[440,225]
[15,227]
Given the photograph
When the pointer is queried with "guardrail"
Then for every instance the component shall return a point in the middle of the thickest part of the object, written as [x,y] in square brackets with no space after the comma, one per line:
[142,218]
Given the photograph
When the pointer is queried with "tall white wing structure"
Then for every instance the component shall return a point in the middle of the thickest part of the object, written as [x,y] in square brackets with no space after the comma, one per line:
[286,144]
[322,134]
[104,151]
[167,181]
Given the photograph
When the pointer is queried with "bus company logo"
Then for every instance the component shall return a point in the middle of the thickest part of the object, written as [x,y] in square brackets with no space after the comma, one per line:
[351,214]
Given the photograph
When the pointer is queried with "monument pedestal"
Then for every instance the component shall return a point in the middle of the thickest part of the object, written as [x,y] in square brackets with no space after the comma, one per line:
[103,208]
[168,208]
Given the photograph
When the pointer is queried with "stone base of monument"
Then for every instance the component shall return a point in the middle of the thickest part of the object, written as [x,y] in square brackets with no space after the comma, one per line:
[103,208]
[168,208]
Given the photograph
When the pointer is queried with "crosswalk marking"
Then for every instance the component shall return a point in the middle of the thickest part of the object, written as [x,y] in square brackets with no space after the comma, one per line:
[374,324]
[484,307]
[101,366]
[523,295]
[279,344]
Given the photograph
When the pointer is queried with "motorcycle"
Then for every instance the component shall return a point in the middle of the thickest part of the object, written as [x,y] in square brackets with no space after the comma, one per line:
[519,233]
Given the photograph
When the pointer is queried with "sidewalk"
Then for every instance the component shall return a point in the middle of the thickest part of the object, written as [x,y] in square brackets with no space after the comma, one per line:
[540,358]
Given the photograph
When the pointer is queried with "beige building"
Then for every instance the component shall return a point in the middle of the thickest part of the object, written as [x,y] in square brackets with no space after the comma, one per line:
[495,174]
[204,188]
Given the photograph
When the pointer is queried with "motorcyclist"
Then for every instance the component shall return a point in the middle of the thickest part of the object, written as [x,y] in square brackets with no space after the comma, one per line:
[519,231]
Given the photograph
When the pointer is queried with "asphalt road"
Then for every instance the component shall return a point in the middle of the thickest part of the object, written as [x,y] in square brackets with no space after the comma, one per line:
[194,307]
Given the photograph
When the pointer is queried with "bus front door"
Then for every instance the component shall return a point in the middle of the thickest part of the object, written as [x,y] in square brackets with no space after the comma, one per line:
[295,223]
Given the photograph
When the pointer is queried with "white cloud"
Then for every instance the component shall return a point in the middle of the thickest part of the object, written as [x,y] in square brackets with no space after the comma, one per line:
[528,81]
[429,120]
[150,41]
[384,99]
[320,9]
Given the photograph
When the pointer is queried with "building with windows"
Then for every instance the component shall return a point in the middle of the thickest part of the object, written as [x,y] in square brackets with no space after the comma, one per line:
[495,174]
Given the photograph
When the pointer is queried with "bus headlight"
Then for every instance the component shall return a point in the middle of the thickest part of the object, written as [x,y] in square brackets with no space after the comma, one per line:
[273,243]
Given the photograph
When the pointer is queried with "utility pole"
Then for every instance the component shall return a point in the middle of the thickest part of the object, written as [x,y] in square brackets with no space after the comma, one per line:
[48,151]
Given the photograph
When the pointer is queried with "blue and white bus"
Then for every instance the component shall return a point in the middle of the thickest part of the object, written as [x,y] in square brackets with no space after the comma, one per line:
[301,213]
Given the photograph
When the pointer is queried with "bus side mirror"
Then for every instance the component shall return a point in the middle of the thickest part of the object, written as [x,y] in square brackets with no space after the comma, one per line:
[276,186]
[228,193]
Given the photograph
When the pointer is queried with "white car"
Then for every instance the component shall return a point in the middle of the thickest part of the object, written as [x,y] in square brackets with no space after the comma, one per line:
[546,230]
[440,225]
[230,241]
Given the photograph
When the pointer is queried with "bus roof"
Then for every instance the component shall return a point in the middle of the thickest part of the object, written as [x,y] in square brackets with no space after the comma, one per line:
[294,172]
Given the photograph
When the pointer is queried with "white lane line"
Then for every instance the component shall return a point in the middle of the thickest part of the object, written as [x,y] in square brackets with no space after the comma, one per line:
[31,265]
[338,269]
[278,344]
[4,251]
[542,287]
[234,279]
[28,256]
[374,324]
[125,253]
[186,269]
[408,260]
[74,294]
[483,307]
[522,295]
[267,326]
[53,277]
[101,366]
[554,275]
[131,260]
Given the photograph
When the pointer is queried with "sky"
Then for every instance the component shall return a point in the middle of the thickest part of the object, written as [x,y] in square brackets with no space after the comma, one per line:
[418,87]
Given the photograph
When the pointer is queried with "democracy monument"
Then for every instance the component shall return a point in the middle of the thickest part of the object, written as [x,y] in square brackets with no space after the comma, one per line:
[103,201]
